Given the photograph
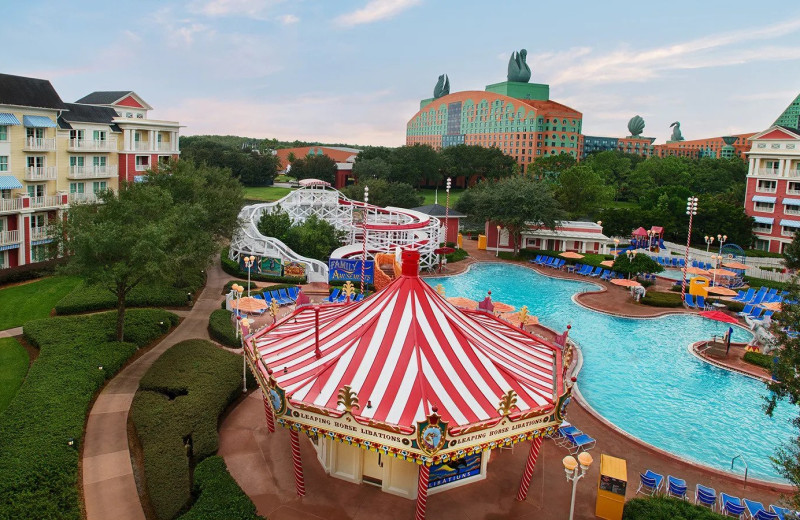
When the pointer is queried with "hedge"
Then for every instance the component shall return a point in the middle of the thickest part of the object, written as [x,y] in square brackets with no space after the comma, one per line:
[27,272]
[86,298]
[221,328]
[666,508]
[755,283]
[232,268]
[229,285]
[175,413]
[77,354]
[757,253]
[457,256]
[758,359]
[662,299]
[217,495]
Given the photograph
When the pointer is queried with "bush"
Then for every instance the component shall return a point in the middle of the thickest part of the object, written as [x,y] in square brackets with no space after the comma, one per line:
[757,253]
[217,495]
[175,413]
[758,359]
[232,268]
[40,470]
[27,272]
[86,298]
[662,299]
[221,328]
[733,306]
[456,256]
[666,508]
[229,285]
[760,282]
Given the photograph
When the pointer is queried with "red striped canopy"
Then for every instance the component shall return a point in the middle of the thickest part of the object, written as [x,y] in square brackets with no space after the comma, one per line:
[406,350]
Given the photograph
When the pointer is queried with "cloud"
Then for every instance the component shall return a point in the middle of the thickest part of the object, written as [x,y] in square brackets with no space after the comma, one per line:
[256,9]
[374,11]
[288,19]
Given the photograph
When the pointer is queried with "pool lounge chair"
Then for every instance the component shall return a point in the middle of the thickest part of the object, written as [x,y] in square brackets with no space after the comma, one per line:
[747,310]
[766,316]
[650,483]
[285,296]
[705,496]
[701,303]
[597,272]
[606,275]
[282,300]
[333,296]
[676,487]
[759,297]
[577,443]
[688,300]
[784,513]
[731,505]
[757,511]
[744,296]
[681,263]
[560,437]
[535,260]
[574,268]
[586,270]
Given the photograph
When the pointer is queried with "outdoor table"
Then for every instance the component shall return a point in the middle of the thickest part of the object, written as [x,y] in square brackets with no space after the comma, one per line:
[570,268]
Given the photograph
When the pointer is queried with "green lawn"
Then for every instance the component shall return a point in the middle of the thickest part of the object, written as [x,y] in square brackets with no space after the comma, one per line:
[266,193]
[430,196]
[34,300]
[13,367]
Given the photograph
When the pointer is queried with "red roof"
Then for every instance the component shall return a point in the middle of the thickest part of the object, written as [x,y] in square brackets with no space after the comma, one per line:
[640,232]
[405,350]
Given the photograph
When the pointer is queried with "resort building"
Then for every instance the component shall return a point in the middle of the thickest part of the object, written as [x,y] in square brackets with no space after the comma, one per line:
[53,154]
[723,147]
[772,195]
[342,155]
[569,235]
[634,145]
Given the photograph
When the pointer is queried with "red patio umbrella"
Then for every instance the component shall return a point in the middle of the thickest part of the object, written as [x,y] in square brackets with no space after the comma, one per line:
[719,316]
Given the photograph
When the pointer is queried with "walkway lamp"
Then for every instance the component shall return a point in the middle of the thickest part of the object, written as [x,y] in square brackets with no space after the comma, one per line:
[497,252]
[616,244]
[722,239]
[709,240]
[576,470]
[715,260]
[447,211]
[237,298]
[691,210]
[248,263]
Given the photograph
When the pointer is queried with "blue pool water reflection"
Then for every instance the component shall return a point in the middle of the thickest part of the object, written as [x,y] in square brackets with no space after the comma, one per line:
[639,375]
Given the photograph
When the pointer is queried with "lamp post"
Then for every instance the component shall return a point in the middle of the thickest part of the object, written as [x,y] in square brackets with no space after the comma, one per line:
[722,239]
[239,289]
[649,239]
[691,210]
[447,211]
[364,232]
[248,263]
[631,254]
[715,260]
[242,324]
[497,252]
[576,470]
[709,240]
[616,244]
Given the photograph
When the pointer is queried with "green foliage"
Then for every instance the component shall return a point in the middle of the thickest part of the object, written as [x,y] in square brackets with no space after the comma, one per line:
[14,362]
[314,238]
[217,495]
[385,193]
[34,300]
[176,411]
[761,282]
[85,298]
[265,194]
[666,508]
[662,299]
[252,168]
[762,360]
[479,162]
[551,167]
[791,253]
[222,329]
[275,224]
[319,167]
[27,272]
[641,263]
[40,470]
[457,256]
[581,191]
[758,253]
[229,285]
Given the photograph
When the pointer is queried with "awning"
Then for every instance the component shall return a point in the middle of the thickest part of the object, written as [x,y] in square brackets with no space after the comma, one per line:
[764,220]
[791,202]
[7,119]
[790,223]
[9,182]
[38,122]
[761,198]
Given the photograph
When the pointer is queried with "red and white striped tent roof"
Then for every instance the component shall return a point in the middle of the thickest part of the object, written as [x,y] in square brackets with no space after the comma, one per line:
[406,350]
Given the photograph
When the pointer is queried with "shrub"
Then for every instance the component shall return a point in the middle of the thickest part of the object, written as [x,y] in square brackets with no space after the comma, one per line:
[229,285]
[176,412]
[40,470]
[232,268]
[456,256]
[27,272]
[85,298]
[757,253]
[733,306]
[760,282]
[758,359]
[217,495]
[221,328]
[666,508]
[662,299]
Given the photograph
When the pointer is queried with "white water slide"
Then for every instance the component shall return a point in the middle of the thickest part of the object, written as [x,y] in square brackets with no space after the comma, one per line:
[386,229]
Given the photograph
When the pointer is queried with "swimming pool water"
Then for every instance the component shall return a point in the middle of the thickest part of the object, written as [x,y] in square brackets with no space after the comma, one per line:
[674,274]
[638,373]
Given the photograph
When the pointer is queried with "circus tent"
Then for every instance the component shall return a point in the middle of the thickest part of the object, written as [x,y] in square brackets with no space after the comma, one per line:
[407,375]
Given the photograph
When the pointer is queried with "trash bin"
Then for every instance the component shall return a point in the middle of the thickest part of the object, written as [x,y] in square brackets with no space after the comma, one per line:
[611,488]
[460,241]
[482,242]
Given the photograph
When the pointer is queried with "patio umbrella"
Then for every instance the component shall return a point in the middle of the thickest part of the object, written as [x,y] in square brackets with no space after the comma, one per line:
[719,316]
[622,282]
[501,307]
[607,263]
[736,265]
[773,306]
[571,254]
[721,291]
[464,303]
[721,272]
[249,304]
[697,271]
[513,318]
[443,251]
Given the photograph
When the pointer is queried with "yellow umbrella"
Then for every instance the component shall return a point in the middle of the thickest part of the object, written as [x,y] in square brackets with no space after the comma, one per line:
[607,263]
[721,291]
[721,272]
[571,254]
[736,265]
[249,304]
[622,282]
[464,303]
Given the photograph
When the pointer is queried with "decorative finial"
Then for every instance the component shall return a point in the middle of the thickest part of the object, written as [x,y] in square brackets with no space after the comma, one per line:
[518,70]
[636,126]
[508,401]
[348,399]
[442,87]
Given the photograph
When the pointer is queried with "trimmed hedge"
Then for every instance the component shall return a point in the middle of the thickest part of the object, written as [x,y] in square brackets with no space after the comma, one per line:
[39,478]
[662,299]
[27,272]
[217,495]
[86,298]
[457,256]
[666,508]
[221,328]
[229,285]
[757,253]
[232,268]
[759,359]
[176,411]
[755,283]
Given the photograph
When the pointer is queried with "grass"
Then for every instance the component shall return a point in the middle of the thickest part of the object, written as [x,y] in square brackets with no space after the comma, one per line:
[265,193]
[430,196]
[14,362]
[34,300]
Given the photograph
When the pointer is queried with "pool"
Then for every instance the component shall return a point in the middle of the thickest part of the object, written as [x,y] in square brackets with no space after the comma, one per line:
[639,374]
[674,274]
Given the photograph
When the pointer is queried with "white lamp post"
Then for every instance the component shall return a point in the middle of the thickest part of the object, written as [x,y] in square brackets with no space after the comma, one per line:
[709,240]
[616,244]
[364,232]
[576,470]
[447,211]
[691,210]
[248,263]
[497,253]
[722,239]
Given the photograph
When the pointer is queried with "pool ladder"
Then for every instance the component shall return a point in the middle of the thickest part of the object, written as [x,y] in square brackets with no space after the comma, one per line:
[745,466]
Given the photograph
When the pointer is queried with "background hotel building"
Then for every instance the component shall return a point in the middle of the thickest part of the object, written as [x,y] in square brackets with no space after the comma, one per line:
[53,154]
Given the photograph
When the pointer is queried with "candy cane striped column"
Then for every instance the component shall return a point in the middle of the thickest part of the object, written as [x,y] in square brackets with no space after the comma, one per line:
[422,491]
[527,475]
[268,413]
[299,481]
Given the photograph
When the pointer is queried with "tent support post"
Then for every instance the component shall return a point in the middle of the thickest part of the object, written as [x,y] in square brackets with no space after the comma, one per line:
[527,475]
[422,491]
[299,481]
[268,413]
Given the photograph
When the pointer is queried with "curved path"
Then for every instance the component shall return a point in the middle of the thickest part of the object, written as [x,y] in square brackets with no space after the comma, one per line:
[109,487]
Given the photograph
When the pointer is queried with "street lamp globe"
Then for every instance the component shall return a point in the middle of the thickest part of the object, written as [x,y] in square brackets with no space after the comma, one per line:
[570,463]
[585,460]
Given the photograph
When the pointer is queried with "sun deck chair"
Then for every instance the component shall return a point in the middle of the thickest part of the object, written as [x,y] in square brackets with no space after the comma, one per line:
[332,297]
[574,268]
[783,512]
[701,303]
[755,312]
[743,296]
[676,487]
[597,272]
[535,260]
[705,496]
[586,269]
[259,296]
[689,301]
[766,316]
[560,437]
[747,310]
[580,442]
[730,505]
[650,483]
[606,275]
[281,299]
[759,297]
[681,262]
[293,292]
[757,511]
[674,262]
[285,296]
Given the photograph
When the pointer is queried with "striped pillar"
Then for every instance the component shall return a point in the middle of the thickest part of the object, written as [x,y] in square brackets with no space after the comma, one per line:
[422,491]
[527,475]
[299,481]
[268,412]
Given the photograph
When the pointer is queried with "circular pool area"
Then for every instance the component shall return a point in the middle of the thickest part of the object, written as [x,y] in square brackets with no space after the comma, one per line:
[640,376]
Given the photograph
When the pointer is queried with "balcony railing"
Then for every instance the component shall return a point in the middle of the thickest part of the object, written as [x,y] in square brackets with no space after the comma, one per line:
[164,147]
[92,172]
[141,146]
[92,145]
[39,233]
[791,210]
[87,198]
[769,172]
[48,201]
[7,205]
[40,144]
[40,173]
[9,237]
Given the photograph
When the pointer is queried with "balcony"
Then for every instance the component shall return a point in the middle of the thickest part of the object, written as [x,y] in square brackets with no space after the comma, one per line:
[791,210]
[83,198]
[40,173]
[92,172]
[35,144]
[141,146]
[9,237]
[91,145]
[48,201]
[165,147]
[40,233]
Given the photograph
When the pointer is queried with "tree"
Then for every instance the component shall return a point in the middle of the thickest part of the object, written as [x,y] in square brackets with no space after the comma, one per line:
[314,238]
[463,161]
[384,193]
[581,191]
[155,231]
[251,167]
[515,203]
[415,164]
[791,253]
[615,168]
[319,167]
[275,224]
[372,168]
[641,263]
[550,167]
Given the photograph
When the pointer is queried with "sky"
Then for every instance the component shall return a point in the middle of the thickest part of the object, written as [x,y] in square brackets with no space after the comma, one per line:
[354,71]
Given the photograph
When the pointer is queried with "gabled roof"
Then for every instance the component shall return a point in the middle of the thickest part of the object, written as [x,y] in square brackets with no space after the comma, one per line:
[111,97]
[79,113]
[437,210]
[28,92]
[777,132]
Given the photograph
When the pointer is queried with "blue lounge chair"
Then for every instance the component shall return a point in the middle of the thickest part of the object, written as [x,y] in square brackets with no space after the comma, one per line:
[755,313]
[681,263]
[535,260]
[757,511]
[359,297]
[332,297]
[650,483]
[280,298]
[560,438]
[285,296]
[580,442]
[597,272]
[688,300]
[782,512]
[293,292]
[586,270]
[767,315]
[676,487]
[742,295]
[731,505]
[606,275]
[759,297]
[574,268]
[259,296]
[701,303]
[674,262]
[747,310]
[705,496]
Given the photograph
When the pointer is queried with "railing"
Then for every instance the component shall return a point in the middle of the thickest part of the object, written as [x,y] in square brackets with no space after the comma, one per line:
[164,147]
[85,198]
[141,146]
[9,237]
[10,205]
[92,172]
[761,189]
[40,144]
[792,211]
[40,173]
[48,201]
[39,233]
[93,145]
[745,466]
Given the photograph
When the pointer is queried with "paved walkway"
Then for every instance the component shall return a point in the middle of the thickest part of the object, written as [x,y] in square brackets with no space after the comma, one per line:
[10,333]
[109,487]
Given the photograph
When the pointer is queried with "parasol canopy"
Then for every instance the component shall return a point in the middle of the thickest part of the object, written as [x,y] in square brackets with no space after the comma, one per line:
[697,271]
[721,291]
[607,263]
[501,307]
[249,304]
[313,182]
[773,306]
[464,303]
[513,318]
[622,282]
[571,254]
[443,250]
[719,316]
[721,272]
[641,232]
[736,265]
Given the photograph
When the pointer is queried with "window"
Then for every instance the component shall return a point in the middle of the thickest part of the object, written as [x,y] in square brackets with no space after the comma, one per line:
[34,133]
[98,186]
[3,133]
[38,220]
[767,207]
[76,134]
[762,228]
[3,163]
[39,253]
[76,161]
[36,190]
[99,162]
[99,135]
[35,161]
[766,186]
[761,245]
[163,159]
[792,187]
[788,231]
[77,187]
[142,162]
